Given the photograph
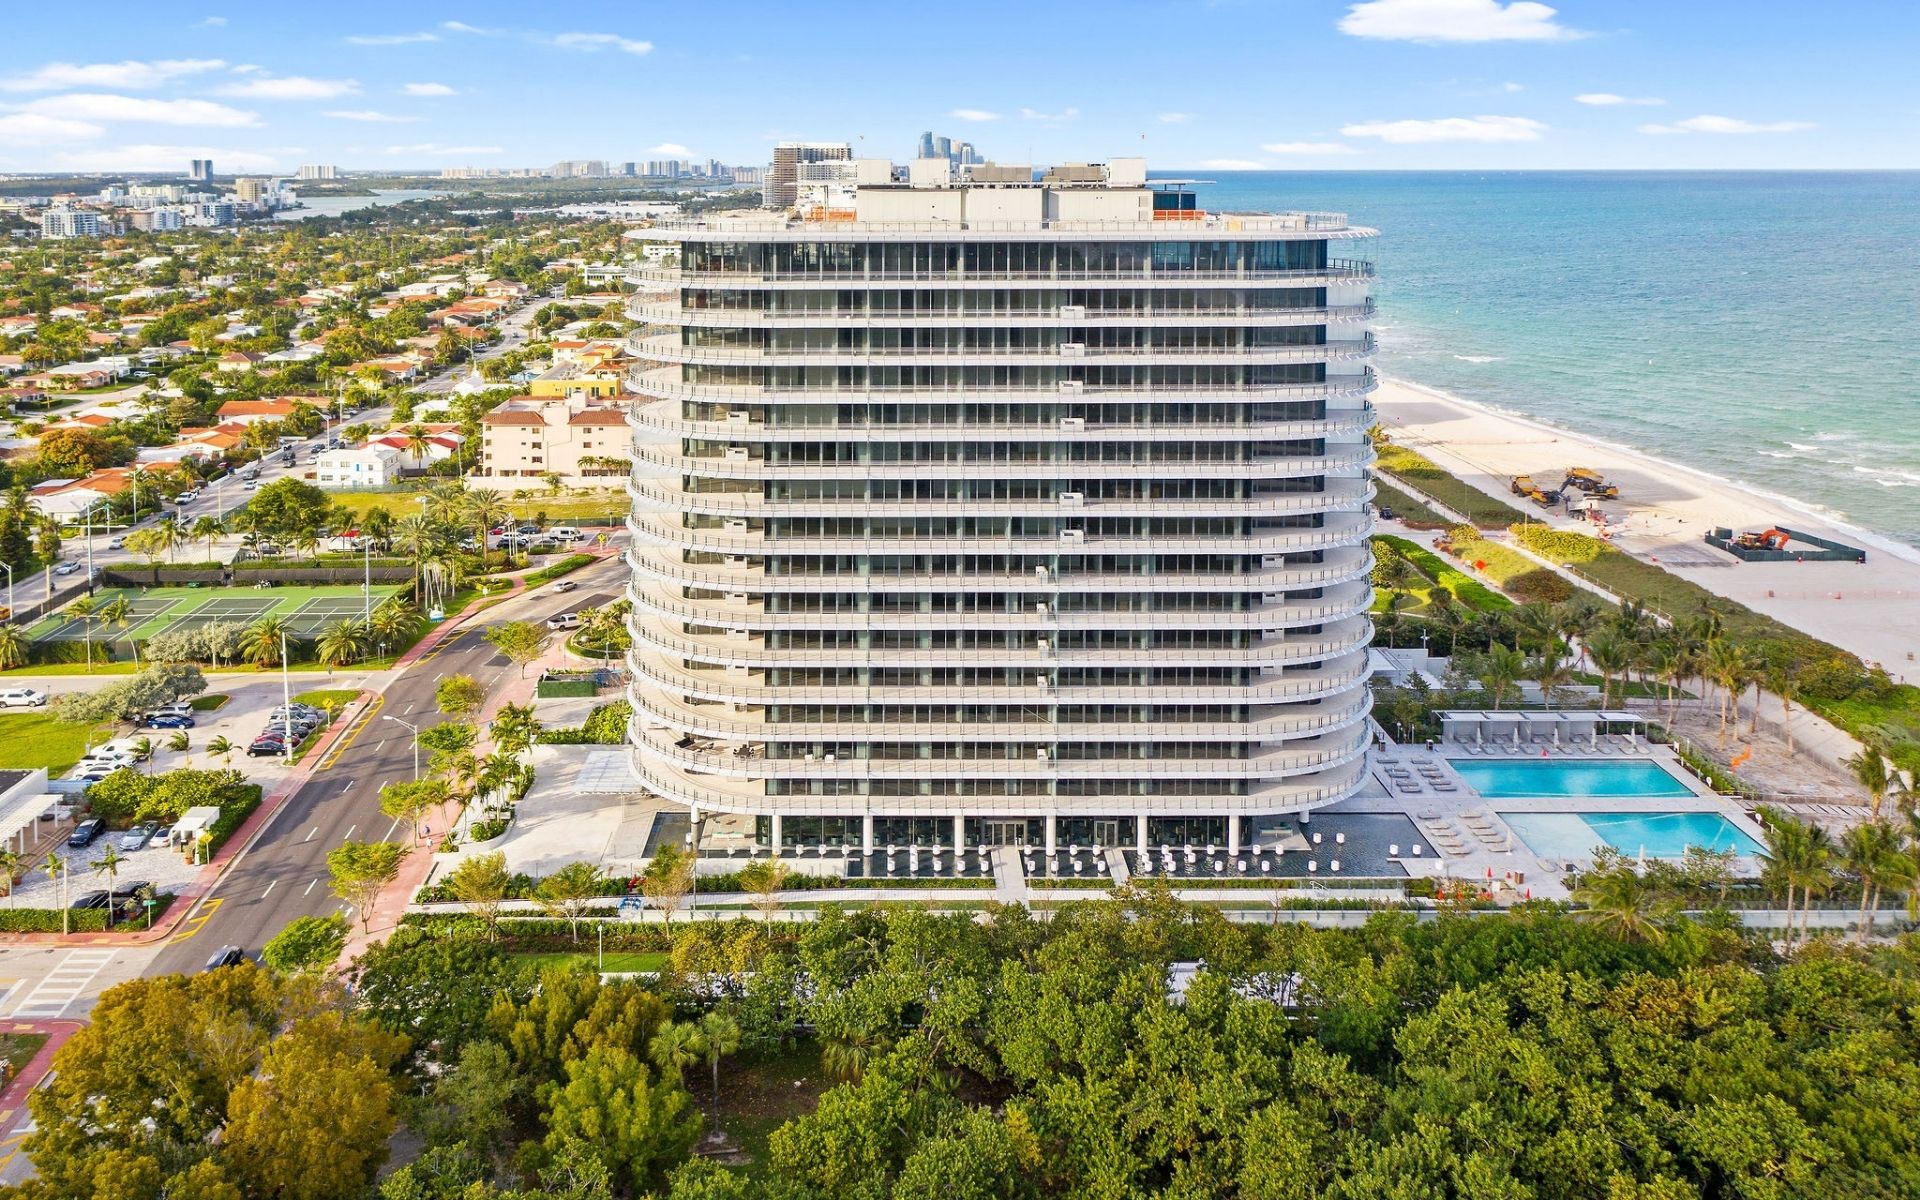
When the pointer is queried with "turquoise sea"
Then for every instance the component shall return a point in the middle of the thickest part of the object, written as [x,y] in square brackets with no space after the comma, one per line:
[1761,326]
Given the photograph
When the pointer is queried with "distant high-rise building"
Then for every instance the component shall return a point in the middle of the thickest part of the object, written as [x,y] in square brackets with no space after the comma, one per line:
[926,145]
[627,168]
[578,168]
[249,189]
[783,173]
[69,223]
[319,171]
[960,154]
[964,154]
[202,170]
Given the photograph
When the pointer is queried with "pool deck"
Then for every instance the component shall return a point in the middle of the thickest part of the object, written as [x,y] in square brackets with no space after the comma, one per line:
[1463,834]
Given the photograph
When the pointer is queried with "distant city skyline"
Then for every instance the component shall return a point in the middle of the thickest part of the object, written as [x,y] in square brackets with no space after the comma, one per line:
[1208,84]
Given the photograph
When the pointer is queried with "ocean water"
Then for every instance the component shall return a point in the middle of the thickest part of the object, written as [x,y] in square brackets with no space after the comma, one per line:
[1761,326]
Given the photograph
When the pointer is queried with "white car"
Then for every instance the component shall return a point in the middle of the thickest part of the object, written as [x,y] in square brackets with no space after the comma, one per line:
[22,697]
[564,621]
[67,568]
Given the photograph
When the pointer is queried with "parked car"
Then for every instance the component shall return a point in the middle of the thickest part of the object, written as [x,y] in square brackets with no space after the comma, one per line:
[90,900]
[169,721]
[527,530]
[90,774]
[163,836]
[116,543]
[179,708]
[266,744]
[67,568]
[22,697]
[544,543]
[564,621]
[565,533]
[226,956]
[281,710]
[85,832]
[566,585]
[137,837]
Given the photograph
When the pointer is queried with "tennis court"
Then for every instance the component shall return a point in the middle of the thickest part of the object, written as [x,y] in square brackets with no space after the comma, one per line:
[308,611]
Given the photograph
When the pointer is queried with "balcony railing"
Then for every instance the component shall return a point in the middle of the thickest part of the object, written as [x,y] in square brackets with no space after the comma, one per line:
[1337,270]
[667,348]
[1354,459]
[1336,495]
[670,312]
[661,416]
[723,227]
[665,383]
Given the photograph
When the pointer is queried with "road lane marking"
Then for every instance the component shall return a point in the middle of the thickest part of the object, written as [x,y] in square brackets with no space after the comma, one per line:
[359,726]
[197,922]
[310,833]
[310,885]
[390,829]
[269,891]
[349,833]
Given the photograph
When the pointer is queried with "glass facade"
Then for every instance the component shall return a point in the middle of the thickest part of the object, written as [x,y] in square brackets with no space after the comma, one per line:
[1077,542]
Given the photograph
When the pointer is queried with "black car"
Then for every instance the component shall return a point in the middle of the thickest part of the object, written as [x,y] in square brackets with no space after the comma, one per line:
[226,956]
[266,744]
[84,833]
[89,900]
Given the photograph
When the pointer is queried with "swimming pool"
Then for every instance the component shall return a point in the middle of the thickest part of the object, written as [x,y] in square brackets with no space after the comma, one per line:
[1657,835]
[1551,777]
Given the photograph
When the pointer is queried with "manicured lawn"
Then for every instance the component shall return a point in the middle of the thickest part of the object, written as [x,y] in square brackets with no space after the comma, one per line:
[569,506]
[1410,511]
[30,740]
[321,697]
[1421,474]
[207,703]
[617,960]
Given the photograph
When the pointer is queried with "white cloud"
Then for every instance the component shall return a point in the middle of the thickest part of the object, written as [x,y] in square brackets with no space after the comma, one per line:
[973,114]
[1610,100]
[368,114]
[57,75]
[436,150]
[149,157]
[463,27]
[1455,21]
[37,129]
[597,41]
[1513,87]
[89,106]
[427,89]
[292,87]
[671,148]
[1175,118]
[1713,124]
[390,39]
[1065,114]
[214,21]
[1231,164]
[1308,148]
[1450,129]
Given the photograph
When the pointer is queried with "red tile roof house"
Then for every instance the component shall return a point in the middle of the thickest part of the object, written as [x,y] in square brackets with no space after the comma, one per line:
[246,412]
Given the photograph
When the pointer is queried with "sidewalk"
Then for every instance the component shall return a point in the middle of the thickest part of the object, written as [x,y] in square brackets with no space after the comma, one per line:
[13,1099]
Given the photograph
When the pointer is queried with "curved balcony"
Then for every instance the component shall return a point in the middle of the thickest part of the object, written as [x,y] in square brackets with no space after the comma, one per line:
[738,686]
[1338,270]
[657,311]
[1346,636]
[1337,495]
[1350,458]
[666,348]
[1344,600]
[1343,566]
[663,417]
[1275,722]
[665,383]
[1267,764]
[1347,529]
[708,793]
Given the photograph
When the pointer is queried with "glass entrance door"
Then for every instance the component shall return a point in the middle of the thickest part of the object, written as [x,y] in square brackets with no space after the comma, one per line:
[1106,833]
[1004,833]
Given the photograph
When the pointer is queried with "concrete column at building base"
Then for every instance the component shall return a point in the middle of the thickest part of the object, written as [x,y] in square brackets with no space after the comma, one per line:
[1140,834]
[866,833]
[959,832]
[1051,821]
[1233,835]
[773,836]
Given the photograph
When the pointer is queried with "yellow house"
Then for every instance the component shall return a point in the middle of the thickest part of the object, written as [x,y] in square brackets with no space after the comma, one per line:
[590,382]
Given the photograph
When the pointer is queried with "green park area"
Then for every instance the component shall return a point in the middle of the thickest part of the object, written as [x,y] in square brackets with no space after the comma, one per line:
[600,506]
[40,739]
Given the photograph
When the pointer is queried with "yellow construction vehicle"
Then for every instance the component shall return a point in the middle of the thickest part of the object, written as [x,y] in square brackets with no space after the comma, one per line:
[1591,482]
[1524,485]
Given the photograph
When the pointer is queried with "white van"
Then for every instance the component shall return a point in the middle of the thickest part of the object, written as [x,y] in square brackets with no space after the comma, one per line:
[565,533]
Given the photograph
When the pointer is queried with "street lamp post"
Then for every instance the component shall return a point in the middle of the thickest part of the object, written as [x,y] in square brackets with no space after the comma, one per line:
[416,743]
[286,692]
[10,588]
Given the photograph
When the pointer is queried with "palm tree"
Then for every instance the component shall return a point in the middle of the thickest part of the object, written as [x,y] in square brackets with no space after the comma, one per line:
[222,747]
[109,865]
[416,536]
[1623,902]
[514,727]
[346,642]
[418,445]
[167,534]
[391,621]
[1500,669]
[210,531]
[1611,655]
[1726,665]
[56,869]
[1552,671]
[82,610]
[1783,679]
[675,1047]
[13,647]
[179,743]
[1798,861]
[117,613]
[1872,854]
[1874,773]
[719,1037]
[485,508]
[553,480]
[262,644]
[12,863]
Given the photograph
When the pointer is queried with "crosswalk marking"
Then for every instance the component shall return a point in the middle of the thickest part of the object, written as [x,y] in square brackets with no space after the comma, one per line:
[63,985]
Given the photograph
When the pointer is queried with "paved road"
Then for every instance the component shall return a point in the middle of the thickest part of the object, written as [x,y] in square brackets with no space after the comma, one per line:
[283,874]
[513,335]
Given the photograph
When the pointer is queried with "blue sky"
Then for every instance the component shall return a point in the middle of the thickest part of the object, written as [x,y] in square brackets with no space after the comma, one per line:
[1212,84]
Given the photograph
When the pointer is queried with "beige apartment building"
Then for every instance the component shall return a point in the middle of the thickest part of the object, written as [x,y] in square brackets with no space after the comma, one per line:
[529,437]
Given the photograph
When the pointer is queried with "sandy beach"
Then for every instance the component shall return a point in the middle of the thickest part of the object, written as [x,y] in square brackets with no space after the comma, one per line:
[1663,513]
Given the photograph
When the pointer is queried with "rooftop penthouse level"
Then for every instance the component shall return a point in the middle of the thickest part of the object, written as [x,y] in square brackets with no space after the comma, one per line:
[988,506]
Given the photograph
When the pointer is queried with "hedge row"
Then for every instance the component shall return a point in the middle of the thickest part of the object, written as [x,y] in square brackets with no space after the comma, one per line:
[231,816]
[1464,587]
[1426,477]
[566,566]
[1516,574]
[84,920]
